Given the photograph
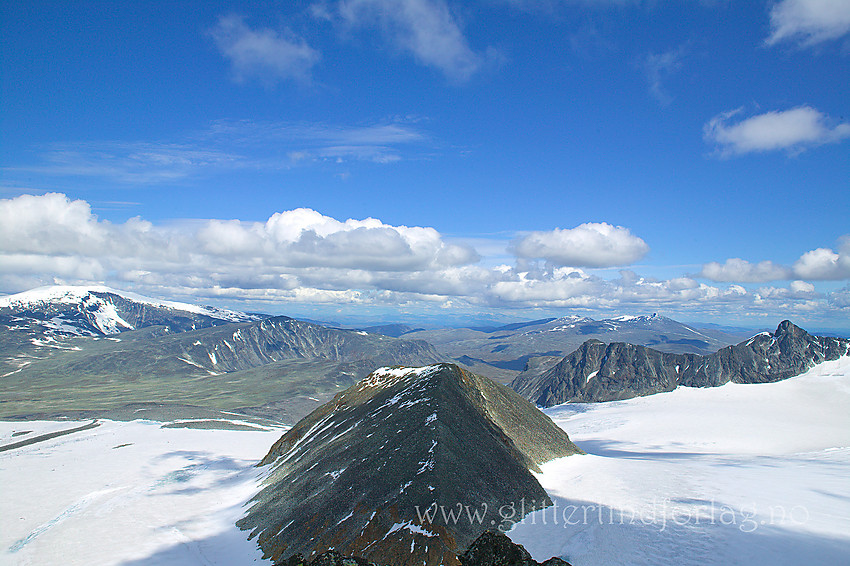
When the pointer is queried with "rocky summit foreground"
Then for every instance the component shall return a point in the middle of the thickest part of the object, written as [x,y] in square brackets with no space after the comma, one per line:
[406,467]
[492,548]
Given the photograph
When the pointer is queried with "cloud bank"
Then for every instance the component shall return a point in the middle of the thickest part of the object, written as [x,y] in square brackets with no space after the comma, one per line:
[822,264]
[304,257]
[742,271]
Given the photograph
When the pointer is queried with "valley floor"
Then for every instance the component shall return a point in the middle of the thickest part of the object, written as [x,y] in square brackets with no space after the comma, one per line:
[740,474]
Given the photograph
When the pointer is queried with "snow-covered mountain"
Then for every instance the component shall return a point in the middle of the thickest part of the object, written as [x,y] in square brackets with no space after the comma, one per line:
[374,472]
[101,311]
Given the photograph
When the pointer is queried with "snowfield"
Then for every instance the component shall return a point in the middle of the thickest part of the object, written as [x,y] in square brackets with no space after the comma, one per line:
[739,474]
[128,493]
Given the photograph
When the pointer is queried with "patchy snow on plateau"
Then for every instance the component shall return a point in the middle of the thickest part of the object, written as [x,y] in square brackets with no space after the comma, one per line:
[384,376]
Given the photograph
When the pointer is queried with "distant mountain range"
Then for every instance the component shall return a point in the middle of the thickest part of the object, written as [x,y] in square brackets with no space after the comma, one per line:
[85,350]
[606,372]
[407,467]
[500,352]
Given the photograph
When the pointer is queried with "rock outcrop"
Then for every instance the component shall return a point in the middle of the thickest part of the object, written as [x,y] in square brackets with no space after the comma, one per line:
[494,548]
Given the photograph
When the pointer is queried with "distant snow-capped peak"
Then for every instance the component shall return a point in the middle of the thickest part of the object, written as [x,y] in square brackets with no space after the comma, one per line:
[67,294]
[97,309]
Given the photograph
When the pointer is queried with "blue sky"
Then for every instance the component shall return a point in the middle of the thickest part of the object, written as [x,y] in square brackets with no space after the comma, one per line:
[495,158]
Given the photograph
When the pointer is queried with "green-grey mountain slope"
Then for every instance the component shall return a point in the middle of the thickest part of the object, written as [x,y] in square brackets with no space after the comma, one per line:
[266,362]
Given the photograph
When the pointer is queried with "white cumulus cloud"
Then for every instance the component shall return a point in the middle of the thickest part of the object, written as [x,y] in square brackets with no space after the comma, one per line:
[808,21]
[825,264]
[793,130]
[821,264]
[588,245]
[55,236]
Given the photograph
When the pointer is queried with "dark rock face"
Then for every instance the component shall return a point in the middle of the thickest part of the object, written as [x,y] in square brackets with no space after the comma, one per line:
[407,467]
[602,372]
[494,548]
[606,372]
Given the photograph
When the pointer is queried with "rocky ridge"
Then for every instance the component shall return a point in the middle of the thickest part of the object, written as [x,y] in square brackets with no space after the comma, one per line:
[605,372]
[504,351]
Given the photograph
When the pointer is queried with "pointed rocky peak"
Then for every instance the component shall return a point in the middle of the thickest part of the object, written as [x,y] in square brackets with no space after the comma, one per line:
[408,466]
[603,372]
[788,328]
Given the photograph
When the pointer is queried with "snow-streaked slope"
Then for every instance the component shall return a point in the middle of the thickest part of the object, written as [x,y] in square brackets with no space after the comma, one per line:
[128,493]
[738,474]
